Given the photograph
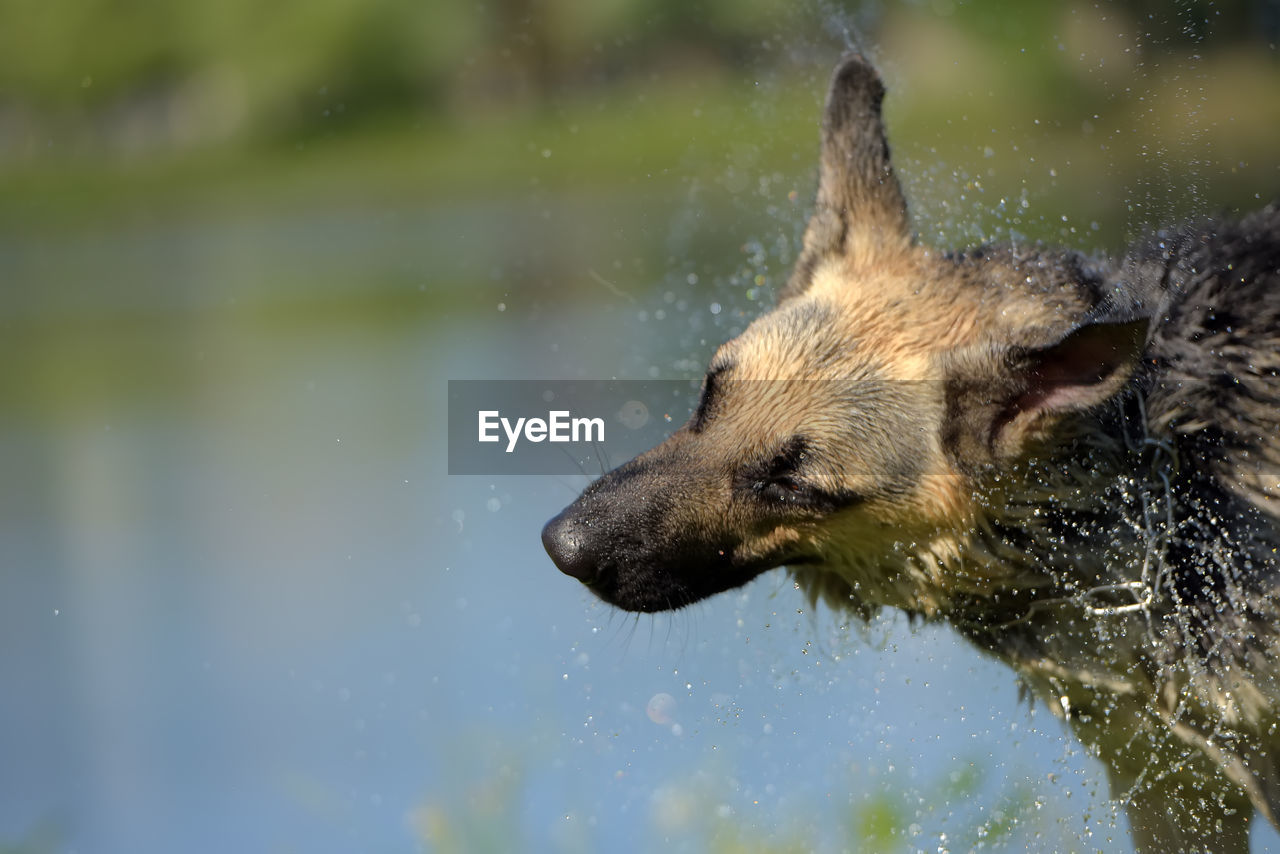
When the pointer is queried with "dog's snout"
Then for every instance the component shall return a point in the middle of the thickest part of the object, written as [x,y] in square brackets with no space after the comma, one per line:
[566,543]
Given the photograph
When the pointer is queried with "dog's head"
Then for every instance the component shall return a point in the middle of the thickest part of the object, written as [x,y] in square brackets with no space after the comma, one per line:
[846,430]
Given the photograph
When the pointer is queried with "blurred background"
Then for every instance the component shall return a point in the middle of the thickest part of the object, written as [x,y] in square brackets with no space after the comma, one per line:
[243,246]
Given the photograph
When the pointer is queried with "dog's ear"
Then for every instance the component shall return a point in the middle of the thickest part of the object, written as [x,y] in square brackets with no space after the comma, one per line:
[998,403]
[860,208]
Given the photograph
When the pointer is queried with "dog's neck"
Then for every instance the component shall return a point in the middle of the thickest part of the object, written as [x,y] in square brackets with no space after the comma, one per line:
[1084,520]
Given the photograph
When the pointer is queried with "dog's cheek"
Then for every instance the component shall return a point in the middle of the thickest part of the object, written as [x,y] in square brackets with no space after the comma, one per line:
[776,546]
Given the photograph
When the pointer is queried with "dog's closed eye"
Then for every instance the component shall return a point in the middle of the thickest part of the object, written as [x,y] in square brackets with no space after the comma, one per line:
[781,481]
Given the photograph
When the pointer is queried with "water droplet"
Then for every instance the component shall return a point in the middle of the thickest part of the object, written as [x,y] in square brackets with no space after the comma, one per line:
[661,708]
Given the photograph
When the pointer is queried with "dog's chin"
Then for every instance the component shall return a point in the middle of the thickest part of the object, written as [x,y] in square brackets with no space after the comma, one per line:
[648,590]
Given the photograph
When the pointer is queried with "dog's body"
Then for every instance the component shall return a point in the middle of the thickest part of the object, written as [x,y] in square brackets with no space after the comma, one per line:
[1075,462]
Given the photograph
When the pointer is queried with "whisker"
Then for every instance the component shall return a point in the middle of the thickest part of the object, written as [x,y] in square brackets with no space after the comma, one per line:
[582,469]
[574,490]
[602,456]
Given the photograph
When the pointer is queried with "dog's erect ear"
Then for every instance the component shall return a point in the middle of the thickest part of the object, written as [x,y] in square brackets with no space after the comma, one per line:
[860,208]
[995,411]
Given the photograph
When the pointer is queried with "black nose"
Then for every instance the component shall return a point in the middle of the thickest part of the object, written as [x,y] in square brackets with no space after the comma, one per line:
[564,540]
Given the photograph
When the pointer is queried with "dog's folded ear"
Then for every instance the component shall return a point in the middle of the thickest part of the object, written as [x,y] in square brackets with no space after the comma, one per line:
[1000,401]
[860,208]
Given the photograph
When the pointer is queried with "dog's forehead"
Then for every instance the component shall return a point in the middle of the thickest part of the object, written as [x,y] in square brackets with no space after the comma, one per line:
[848,324]
[804,338]
[805,370]
[906,307]
[791,366]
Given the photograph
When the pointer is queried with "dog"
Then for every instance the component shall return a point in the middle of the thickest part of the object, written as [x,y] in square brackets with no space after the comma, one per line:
[1074,461]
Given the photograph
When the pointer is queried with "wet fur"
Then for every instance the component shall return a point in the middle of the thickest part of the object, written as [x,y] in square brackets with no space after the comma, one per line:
[1075,461]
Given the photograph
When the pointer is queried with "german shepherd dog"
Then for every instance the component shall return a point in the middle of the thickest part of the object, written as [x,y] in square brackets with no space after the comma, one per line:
[1073,461]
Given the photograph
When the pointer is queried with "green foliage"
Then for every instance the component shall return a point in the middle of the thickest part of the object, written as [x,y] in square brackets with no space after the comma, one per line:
[960,810]
[285,67]
[880,822]
[278,64]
